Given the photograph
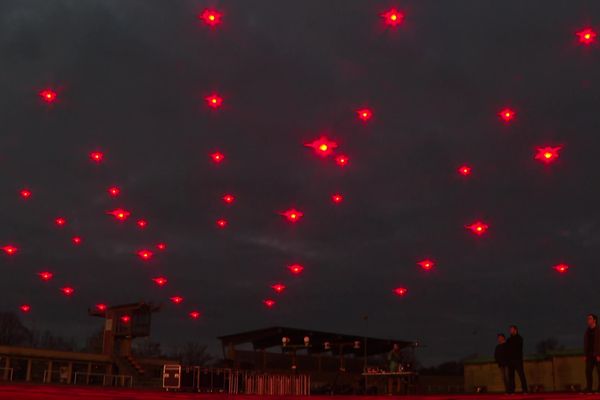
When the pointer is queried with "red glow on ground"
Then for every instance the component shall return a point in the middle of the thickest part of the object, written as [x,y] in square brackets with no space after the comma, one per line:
[214,101]
[269,303]
[322,146]
[160,280]
[10,250]
[76,240]
[142,223]
[211,17]
[401,291]
[45,275]
[364,114]
[392,17]
[296,269]
[97,156]
[278,287]
[222,223]
[25,308]
[547,154]
[507,115]
[145,254]
[464,170]
[337,198]
[101,307]
[114,191]
[60,221]
[587,36]
[177,299]
[120,214]
[342,160]
[125,319]
[67,290]
[48,95]
[427,265]
[561,268]
[228,198]
[194,314]
[292,215]
[217,157]
[25,193]
[478,228]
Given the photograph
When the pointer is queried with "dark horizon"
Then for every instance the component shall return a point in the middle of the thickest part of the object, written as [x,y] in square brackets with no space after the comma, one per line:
[131,81]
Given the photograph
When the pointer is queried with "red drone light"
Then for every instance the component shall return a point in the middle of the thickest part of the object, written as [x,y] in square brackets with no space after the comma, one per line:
[214,101]
[119,214]
[587,36]
[97,156]
[292,215]
[322,146]
[45,275]
[217,157]
[228,198]
[101,307]
[142,223]
[278,287]
[25,193]
[161,246]
[10,250]
[125,319]
[211,17]
[222,223]
[401,291]
[561,268]
[25,308]
[464,170]
[478,228]
[76,240]
[296,269]
[269,303]
[507,114]
[48,95]
[342,160]
[393,17]
[114,191]
[194,314]
[60,221]
[547,154]
[145,254]
[177,299]
[337,198]
[427,265]
[160,280]
[67,290]
[364,114]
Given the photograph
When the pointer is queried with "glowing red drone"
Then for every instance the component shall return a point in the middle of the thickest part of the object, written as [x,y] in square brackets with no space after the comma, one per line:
[222,223]
[561,268]
[101,307]
[67,290]
[76,240]
[145,254]
[142,223]
[342,160]
[211,18]
[278,287]
[217,157]
[161,246]
[547,154]
[364,114]
[322,146]
[464,170]
[392,17]
[292,215]
[228,198]
[160,280]
[10,250]
[48,95]
[587,36]
[337,198]
[114,191]
[125,319]
[427,265]
[25,308]
[45,275]
[176,299]
[97,156]
[296,269]
[60,221]
[119,213]
[401,291]
[25,193]
[269,303]
[194,314]
[478,228]
[214,101]
[507,114]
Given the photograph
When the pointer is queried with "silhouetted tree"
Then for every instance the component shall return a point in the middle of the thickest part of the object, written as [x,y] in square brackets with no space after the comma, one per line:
[193,354]
[548,345]
[12,330]
[94,342]
[146,348]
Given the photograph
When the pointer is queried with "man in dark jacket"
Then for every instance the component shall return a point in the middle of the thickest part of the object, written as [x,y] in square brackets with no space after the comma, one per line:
[502,359]
[591,347]
[514,350]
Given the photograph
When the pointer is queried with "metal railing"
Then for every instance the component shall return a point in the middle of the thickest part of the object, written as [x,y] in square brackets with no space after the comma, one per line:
[102,379]
[233,381]
[6,374]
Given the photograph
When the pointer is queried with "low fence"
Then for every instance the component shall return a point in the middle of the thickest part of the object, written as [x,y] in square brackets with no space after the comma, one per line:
[6,374]
[84,378]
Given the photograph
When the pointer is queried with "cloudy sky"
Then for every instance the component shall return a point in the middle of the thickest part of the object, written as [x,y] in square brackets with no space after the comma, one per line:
[131,79]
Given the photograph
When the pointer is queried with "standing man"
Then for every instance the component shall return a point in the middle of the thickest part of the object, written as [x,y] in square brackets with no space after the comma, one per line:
[395,358]
[591,347]
[514,347]
[502,359]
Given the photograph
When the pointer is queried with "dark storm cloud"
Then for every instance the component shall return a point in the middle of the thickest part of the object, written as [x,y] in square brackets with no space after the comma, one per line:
[131,77]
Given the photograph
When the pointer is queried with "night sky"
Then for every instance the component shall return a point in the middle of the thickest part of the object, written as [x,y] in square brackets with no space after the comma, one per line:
[131,79]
